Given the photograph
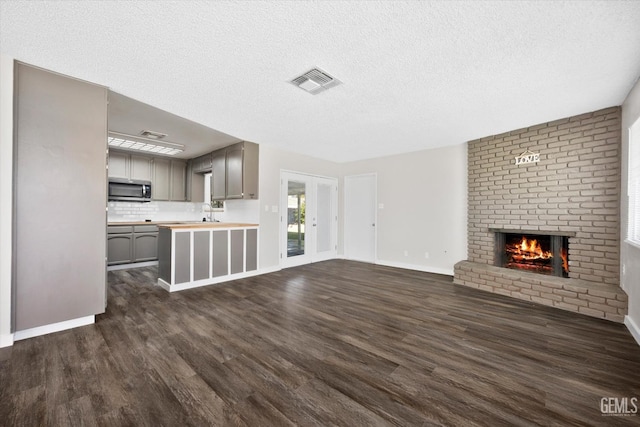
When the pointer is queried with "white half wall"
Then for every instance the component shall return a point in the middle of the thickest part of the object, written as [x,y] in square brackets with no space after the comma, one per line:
[6,195]
[422,207]
[629,254]
[272,161]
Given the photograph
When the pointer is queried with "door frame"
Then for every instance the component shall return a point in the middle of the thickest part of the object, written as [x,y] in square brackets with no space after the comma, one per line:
[308,257]
[374,175]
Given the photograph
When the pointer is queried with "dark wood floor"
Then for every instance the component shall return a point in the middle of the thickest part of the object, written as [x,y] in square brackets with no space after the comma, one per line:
[334,343]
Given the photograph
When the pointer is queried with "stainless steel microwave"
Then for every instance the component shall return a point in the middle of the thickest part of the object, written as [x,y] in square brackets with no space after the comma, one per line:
[125,190]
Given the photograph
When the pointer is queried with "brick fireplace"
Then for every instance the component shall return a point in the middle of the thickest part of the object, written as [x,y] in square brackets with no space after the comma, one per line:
[573,191]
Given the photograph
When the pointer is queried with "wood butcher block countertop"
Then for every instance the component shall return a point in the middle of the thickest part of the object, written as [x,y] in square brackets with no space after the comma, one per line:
[191,225]
[181,225]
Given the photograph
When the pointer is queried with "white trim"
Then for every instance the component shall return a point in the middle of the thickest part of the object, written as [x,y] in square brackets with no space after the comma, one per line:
[268,270]
[6,340]
[6,198]
[633,328]
[54,327]
[131,265]
[164,285]
[632,243]
[424,268]
[206,282]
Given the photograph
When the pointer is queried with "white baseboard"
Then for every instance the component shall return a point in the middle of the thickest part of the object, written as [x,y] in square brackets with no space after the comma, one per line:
[54,327]
[206,282]
[633,328]
[6,340]
[131,265]
[426,269]
[270,269]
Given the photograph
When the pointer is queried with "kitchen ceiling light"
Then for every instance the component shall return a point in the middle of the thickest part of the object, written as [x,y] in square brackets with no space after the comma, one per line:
[118,140]
[315,81]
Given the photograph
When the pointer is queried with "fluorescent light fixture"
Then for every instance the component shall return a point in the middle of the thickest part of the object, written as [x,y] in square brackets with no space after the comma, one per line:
[120,140]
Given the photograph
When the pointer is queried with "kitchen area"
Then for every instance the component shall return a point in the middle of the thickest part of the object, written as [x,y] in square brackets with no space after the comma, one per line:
[181,196]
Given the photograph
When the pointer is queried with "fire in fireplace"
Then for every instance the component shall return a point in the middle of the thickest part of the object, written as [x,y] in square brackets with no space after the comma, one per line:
[544,254]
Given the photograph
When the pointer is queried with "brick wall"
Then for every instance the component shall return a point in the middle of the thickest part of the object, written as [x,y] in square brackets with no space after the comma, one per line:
[574,188]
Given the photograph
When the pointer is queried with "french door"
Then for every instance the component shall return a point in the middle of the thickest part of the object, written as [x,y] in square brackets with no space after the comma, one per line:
[309,218]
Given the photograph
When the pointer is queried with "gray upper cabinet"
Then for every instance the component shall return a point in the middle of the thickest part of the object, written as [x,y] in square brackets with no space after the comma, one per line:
[178,188]
[169,180]
[235,172]
[161,182]
[129,166]
[118,164]
[219,175]
[202,164]
[140,168]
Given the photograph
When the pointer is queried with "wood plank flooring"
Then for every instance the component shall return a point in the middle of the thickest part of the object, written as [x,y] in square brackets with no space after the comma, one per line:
[333,343]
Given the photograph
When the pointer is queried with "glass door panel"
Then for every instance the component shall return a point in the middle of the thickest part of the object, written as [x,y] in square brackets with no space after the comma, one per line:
[296,210]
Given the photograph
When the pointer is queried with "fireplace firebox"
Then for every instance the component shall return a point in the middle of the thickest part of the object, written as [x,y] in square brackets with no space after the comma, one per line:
[529,251]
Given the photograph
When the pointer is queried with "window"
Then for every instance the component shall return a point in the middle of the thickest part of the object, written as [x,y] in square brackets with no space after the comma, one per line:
[634,183]
[217,205]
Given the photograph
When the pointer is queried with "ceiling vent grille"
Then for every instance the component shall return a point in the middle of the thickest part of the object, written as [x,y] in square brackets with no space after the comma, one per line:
[315,81]
[152,134]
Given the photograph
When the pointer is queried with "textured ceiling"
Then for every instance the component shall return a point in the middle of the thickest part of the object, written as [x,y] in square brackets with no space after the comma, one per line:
[415,75]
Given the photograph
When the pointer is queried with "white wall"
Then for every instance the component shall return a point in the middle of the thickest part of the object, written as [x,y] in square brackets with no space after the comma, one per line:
[6,191]
[272,161]
[629,254]
[425,207]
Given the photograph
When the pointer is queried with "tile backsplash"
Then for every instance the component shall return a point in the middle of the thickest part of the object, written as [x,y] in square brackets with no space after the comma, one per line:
[235,211]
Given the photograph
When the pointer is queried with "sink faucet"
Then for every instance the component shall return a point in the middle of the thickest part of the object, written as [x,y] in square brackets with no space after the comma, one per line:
[211,218]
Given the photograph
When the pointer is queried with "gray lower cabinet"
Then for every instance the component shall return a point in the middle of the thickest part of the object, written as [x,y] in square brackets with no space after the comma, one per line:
[220,245]
[190,258]
[130,244]
[252,249]
[119,248]
[237,251]
[145,247]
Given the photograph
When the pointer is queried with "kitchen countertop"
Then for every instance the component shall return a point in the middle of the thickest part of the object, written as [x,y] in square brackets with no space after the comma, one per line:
[184,224]
[191,225]
[139,222]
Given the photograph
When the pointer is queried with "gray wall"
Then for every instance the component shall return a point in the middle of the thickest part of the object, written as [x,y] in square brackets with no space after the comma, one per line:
[60,198]
[629,254]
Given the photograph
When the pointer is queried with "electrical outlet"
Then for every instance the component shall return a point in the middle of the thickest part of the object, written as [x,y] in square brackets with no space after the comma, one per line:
[624,269]
[406,252]
[426,255]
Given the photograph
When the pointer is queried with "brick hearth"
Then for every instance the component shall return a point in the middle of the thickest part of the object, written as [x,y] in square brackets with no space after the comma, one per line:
[575,188]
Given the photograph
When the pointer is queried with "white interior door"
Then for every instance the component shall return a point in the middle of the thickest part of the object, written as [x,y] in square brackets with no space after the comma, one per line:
[309,218]
[360,217]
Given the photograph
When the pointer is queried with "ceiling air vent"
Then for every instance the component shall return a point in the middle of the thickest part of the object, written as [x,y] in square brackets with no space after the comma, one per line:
[315,81]
[152,135]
